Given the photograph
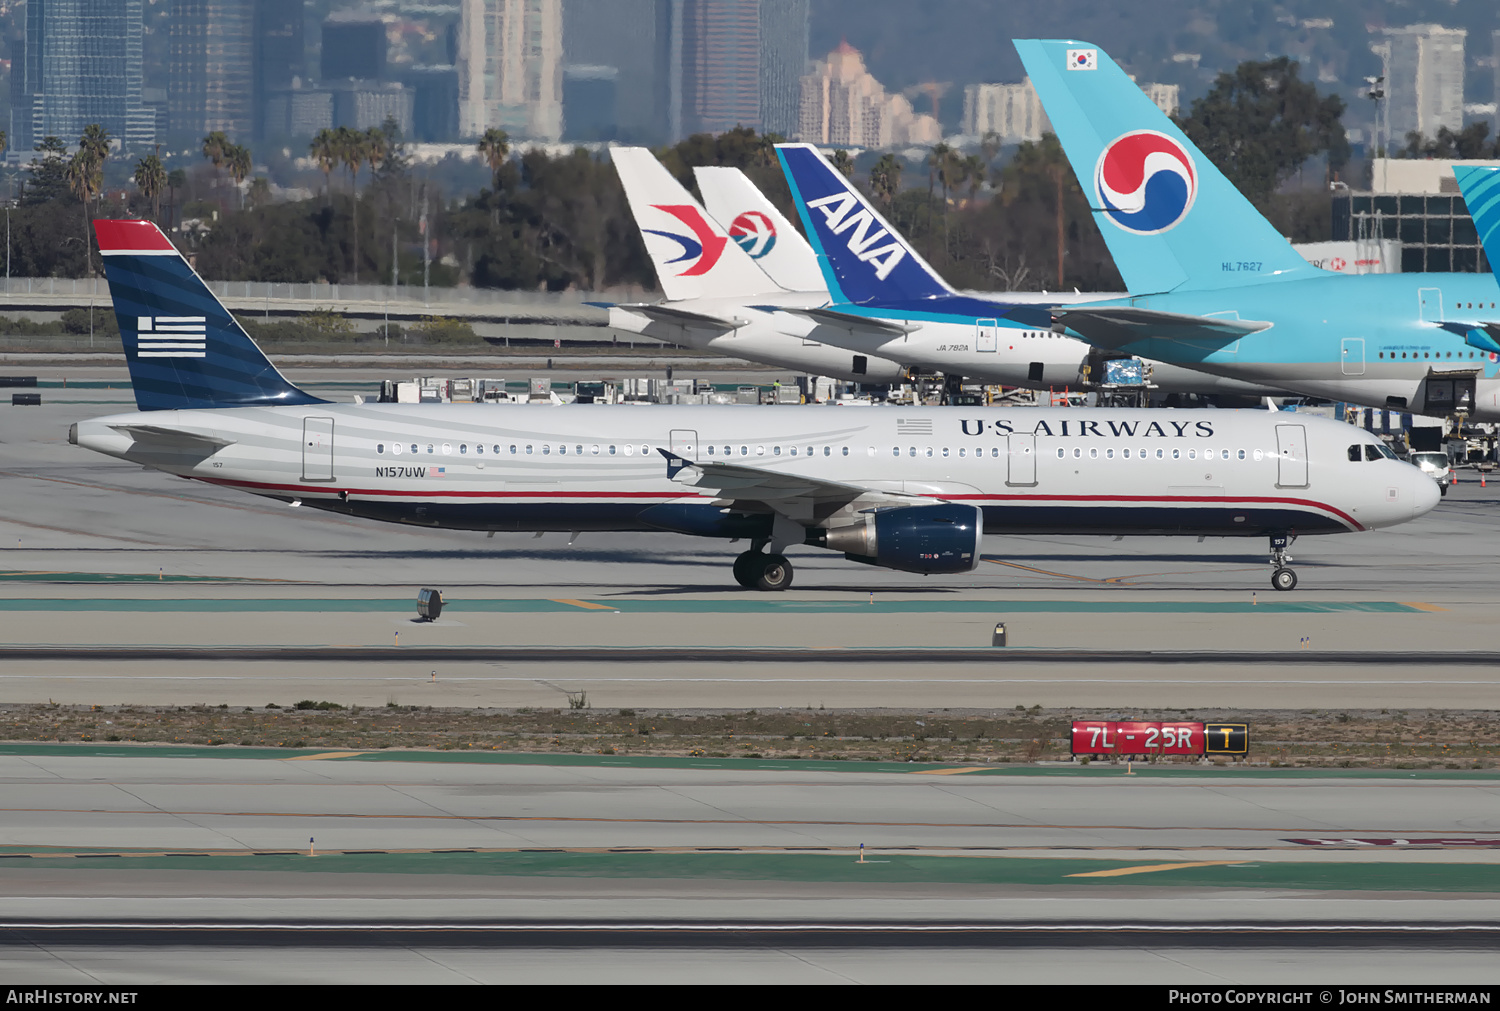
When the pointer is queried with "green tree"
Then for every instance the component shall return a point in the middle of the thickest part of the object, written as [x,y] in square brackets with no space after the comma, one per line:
[885,178]
[216,147]
[48,173]
[325,154]
[176,180]
[1262,122]
[843,162]
[85,177]
[354,151]
[151,178]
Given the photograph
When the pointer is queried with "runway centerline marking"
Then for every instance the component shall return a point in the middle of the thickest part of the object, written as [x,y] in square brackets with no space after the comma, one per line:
[1116,872]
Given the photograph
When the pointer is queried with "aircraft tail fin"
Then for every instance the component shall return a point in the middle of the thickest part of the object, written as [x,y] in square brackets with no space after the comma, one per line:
[1170,218]
[864,259]
[1481,188]
[761,230]
[692,254]
[183,348]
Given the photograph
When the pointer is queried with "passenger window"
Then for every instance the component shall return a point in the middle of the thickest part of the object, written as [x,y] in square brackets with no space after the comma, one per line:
[1192,454]
[1093,453]
[414,449]
[463,447]
[744,451]
[396,448]
[846,451]
[447,449]
[1109,454]
[578,450]
[1077,453]
[629,450]
[380,447]
[760,451]
[1260,454]
[929,450]
[479,449]
[1176,454]
[1373,452]
[645,450]
[1241,454]
[528,449]
[945,450]
[895,450]
[962,450]
[561,450]
[1125,453]
[546,448]
[1060,453]
[611,451]
[776,451]
[995,451]
[1160,454]
[710,451]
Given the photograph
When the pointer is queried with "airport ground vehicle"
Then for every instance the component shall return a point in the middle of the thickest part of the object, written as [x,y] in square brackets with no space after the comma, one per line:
[1435,466]
[913,489]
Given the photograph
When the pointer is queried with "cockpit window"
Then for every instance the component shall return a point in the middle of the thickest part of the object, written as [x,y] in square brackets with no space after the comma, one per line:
[1354,453]
[1374,451]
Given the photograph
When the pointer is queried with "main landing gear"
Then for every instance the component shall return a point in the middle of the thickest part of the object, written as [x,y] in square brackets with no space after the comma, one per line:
[1283,578]
[757,570]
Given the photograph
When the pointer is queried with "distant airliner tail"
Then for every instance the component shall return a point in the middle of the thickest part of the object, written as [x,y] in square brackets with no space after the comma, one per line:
[183,348]
[693,256]
[1481,189]
[761,230]
[864,259]
[1169,216]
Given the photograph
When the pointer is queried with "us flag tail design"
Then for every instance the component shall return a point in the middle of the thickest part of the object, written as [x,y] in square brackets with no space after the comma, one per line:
[183,348]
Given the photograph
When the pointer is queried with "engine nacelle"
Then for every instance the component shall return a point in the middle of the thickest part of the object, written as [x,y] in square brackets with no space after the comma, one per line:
[926,539]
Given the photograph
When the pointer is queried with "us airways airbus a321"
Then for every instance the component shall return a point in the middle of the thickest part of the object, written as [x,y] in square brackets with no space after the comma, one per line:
[914,489]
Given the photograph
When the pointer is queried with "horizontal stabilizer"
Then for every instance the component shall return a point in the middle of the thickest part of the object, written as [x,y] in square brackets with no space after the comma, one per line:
[1121,325]
[685,317]
[853,323]
[173,436]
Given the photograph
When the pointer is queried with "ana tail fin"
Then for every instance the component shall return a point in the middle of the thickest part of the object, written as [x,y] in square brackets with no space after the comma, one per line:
[761,230]
[1481,189]
[1170,218]
[864,259]
[693,256]
[184,349]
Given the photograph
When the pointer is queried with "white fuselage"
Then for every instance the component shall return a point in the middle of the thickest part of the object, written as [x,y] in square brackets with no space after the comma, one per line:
[1030,470]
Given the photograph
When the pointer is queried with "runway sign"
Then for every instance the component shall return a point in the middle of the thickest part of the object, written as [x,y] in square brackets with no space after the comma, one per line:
[1226,738]
[1112,737]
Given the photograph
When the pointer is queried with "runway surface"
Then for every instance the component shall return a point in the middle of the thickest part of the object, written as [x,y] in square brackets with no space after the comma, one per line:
[121,585]
[122,866]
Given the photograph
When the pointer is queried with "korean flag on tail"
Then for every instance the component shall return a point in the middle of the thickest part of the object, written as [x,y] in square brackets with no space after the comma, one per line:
[1083,59]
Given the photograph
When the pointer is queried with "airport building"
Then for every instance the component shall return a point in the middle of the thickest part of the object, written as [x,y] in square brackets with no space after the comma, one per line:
[1417,203]
[81,63]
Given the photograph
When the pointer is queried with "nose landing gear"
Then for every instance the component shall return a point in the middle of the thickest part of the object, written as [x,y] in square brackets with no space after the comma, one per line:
[757,570]
[1283,578]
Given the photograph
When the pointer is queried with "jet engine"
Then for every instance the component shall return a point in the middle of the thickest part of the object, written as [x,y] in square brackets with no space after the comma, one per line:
[925,539]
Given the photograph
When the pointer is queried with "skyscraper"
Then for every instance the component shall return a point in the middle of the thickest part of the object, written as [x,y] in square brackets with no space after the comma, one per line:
[82,65]
[621,34]
[720,65]
[210,68]
[510,60]
[1424,80]
[783,61]
[280,57]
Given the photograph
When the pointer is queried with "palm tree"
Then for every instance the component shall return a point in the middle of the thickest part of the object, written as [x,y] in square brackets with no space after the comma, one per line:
[176,180]
[354,151]
[216,148]
[151,178]
[843,163]
[885,179]
[324,152]
[85,176]
[237,157]
[494,147]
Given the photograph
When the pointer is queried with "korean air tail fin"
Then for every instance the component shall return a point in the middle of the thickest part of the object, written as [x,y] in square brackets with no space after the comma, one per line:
[1481,188]
[864,259]
[1170,218]
[693,255]
[761,230]
[183,348]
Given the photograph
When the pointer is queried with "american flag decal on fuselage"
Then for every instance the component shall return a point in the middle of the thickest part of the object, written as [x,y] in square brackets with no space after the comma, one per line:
[171,336]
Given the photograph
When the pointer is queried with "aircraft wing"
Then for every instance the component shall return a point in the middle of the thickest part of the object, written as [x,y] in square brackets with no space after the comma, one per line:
[162,436]
[684,317]
[798,497]
[1116,326]
[855,324]
[1484,336]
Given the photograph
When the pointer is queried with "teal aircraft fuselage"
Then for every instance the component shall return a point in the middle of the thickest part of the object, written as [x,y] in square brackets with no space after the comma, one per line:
[1372,339]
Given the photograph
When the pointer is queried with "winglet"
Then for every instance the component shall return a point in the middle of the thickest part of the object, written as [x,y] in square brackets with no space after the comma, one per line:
[1481,190]
[675,463]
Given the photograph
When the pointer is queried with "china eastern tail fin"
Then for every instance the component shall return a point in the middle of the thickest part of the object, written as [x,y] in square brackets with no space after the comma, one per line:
[1481,188]
[183,348]
[761,230]
[692,254]
[864,259]
[1170,218]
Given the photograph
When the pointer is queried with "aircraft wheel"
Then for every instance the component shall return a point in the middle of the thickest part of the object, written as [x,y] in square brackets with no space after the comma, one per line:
[1283,579]
[745,569]
[1443,489]
[775,573]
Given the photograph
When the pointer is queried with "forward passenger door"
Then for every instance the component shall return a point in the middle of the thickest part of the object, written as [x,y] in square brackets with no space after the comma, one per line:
[1291,445]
